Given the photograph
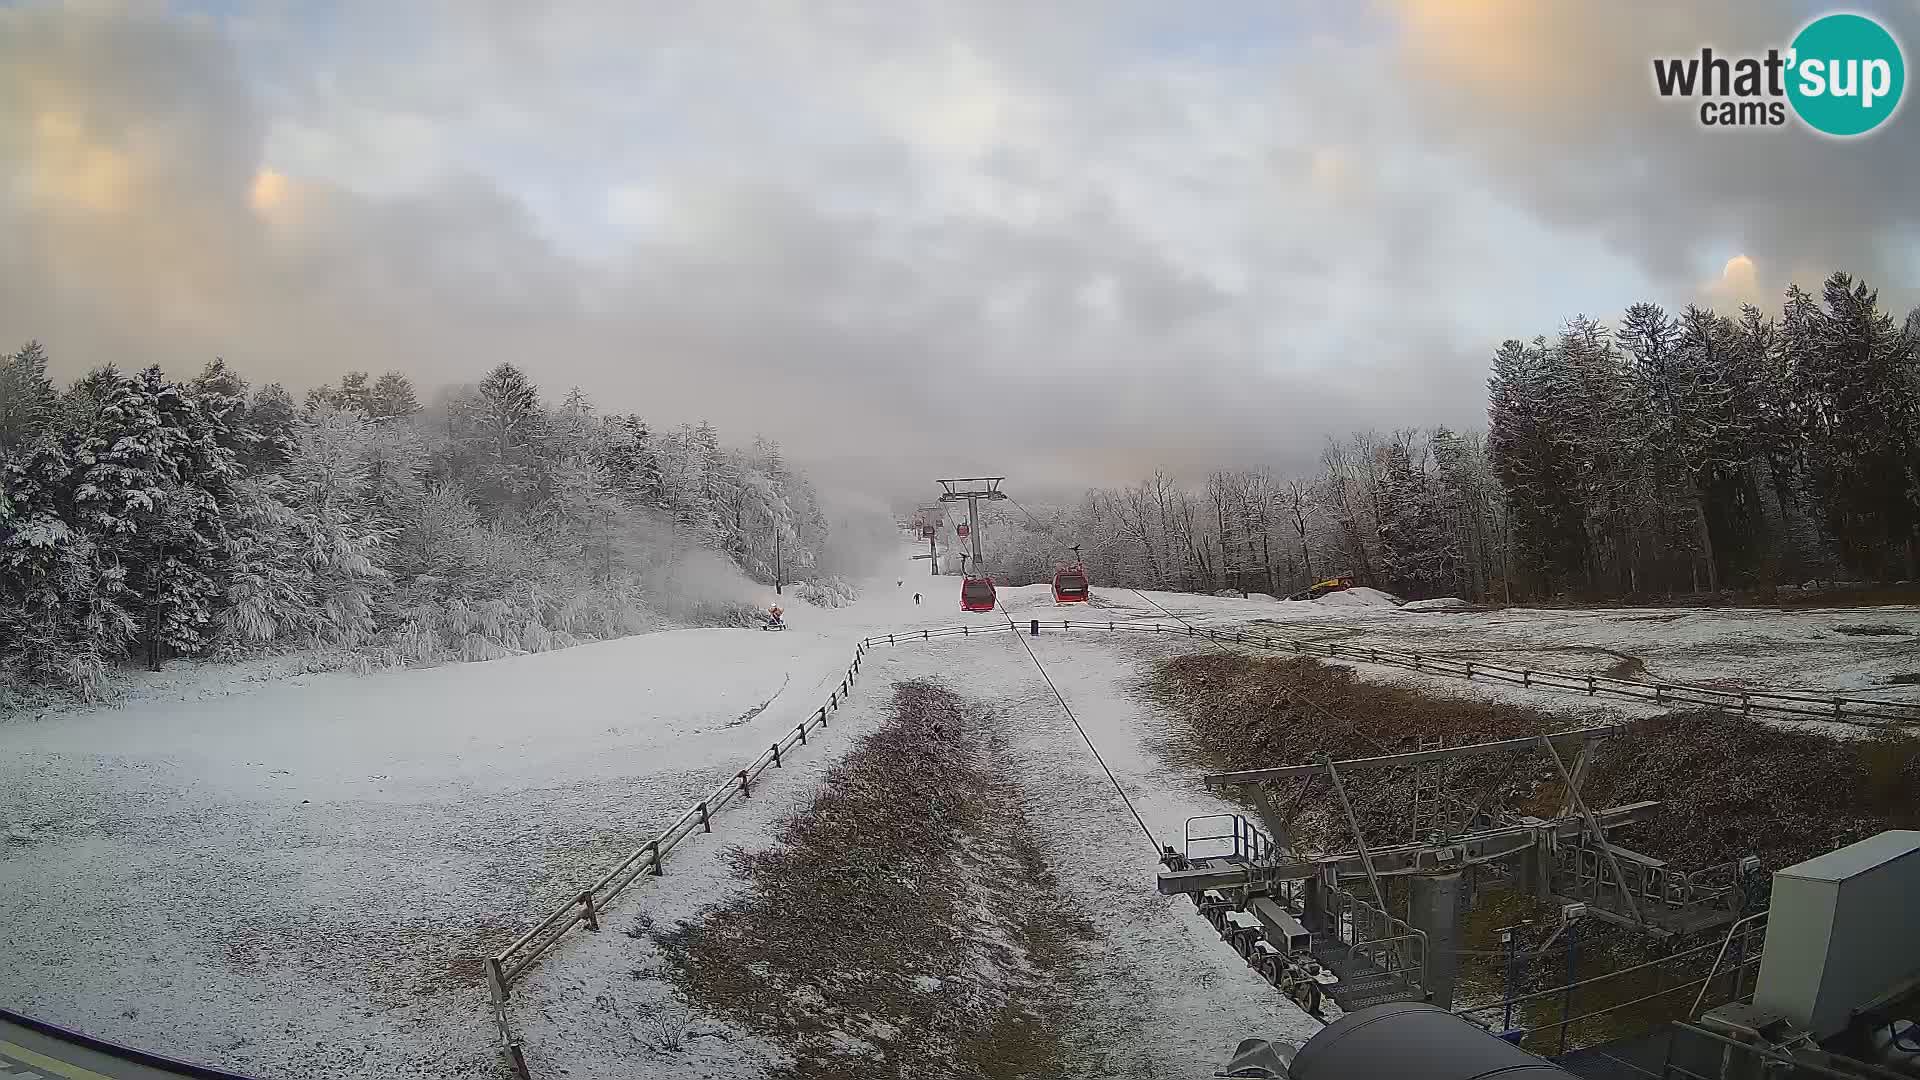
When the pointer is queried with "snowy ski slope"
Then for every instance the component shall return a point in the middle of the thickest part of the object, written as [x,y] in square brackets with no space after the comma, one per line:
[297,878]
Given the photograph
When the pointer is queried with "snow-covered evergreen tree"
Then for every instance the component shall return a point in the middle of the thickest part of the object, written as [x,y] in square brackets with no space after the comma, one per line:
[271,419]
[26,397]
[1857,377]
[504,423]
[392,398]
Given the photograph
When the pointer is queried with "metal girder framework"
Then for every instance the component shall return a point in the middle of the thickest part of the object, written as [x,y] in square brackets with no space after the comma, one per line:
[1488,846]
[1594,828]
[981,487]
[971,490]
[1579,737]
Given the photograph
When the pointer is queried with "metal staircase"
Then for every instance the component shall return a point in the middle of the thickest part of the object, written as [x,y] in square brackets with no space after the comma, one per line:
[1359,955]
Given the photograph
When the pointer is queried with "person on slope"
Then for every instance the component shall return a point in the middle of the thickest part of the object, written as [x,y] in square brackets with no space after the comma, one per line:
[916,598]
[773,618]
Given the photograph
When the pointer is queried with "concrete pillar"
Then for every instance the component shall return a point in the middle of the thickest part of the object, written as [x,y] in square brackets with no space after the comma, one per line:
[1436,910]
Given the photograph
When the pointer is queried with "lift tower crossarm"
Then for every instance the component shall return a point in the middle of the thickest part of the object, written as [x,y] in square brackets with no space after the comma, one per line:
[970,490]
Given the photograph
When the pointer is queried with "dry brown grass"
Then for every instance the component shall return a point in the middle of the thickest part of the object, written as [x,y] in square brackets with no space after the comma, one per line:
[1245,712]
[1728,786]
[902,925]
[1732,786]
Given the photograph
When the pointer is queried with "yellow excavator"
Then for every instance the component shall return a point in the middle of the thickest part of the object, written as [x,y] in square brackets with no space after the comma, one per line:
[1321,588]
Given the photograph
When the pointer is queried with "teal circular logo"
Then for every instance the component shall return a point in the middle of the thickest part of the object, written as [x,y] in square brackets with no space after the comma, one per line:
[1847,74]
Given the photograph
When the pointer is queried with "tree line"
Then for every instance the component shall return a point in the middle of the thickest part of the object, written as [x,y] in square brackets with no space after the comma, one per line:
[1671,454]
[140,515]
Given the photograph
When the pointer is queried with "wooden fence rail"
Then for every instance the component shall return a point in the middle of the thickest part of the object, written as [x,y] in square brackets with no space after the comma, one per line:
[1872,712]
[585,907]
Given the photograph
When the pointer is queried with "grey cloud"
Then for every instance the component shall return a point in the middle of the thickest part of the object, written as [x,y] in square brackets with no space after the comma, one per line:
[906,240]
[1594,146]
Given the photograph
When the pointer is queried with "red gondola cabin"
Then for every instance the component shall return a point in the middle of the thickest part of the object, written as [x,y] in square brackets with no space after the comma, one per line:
[1070,585]
[977,594]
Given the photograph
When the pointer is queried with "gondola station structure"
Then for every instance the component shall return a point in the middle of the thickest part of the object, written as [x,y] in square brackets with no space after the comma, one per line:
[976,587]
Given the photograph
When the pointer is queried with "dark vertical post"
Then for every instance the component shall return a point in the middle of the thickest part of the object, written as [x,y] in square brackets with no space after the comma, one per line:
[1566,1000]
[1036,628]
[1506,992]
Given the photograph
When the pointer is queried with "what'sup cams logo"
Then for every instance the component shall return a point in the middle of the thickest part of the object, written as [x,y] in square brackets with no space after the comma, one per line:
[1842,75]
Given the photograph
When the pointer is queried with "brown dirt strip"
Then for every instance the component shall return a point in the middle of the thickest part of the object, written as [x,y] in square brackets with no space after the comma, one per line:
[903,924]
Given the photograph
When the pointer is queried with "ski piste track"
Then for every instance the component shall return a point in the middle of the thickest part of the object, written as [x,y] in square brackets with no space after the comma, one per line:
[33,1048]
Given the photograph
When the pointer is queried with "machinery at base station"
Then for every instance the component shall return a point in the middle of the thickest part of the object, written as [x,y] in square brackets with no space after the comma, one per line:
[978,594]
[1404,1040]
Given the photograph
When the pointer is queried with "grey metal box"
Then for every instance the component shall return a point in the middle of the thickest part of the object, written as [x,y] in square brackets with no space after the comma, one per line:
[1844,929]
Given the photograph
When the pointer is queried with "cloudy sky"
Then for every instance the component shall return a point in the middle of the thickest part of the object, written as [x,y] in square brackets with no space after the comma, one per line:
[1066,241]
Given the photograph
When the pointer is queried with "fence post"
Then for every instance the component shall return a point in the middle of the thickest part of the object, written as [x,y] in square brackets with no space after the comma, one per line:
[593,917]
[1036,628]
[1836,708]
[497,981]
[658,869]
[1746,704]
[1470,678]
[889,639]
[1590,686]
[801,729]
[1659,694]
[1416,661]
[1526,677]
[746,785]
[823,716]
[706,819]
[776,755]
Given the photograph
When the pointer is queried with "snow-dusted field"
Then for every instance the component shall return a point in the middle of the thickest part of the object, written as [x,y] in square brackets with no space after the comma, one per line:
[1761,648]
[298,876]
[1174,998]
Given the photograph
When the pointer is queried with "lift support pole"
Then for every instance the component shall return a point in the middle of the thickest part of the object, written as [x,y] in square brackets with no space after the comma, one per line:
[976,488]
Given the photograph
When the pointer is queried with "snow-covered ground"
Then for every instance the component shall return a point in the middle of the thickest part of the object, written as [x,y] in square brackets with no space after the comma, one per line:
[1780,649]
[1175,999]
[298,875]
